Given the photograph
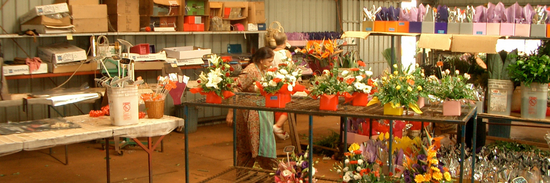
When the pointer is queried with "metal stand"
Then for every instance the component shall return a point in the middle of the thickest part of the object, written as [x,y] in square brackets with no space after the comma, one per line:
[149,151]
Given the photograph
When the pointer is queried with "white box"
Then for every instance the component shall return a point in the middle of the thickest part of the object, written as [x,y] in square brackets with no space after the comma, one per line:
[49,9]
[149,57]
[186,52]
[183,62]
[61,53]
[48,29]
[11,70]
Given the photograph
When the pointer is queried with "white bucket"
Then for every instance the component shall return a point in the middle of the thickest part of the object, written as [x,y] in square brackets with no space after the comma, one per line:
[123,105]
[533,100]
[500,96]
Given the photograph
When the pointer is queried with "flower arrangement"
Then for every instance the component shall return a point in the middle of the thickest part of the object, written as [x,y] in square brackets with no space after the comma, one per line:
[216,80]
[281,79]
[361,164]
[295,170]
[398,89]
[359,79]
[328,83]
[453,87]
[425,166]
[321,55]
[164,85]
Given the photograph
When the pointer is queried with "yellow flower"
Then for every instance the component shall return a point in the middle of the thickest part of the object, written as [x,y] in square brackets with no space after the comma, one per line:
[419,88]
[381,136]
[427,177]
[387,135]
[437,176]
[395,73]
[419,178]
[398,87]
[384,78]
[435,169]
[395,66]
[353,147]
[447,176]
[434,162]
[409,89]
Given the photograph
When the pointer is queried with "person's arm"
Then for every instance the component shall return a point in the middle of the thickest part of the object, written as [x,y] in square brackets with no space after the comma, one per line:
[244,81]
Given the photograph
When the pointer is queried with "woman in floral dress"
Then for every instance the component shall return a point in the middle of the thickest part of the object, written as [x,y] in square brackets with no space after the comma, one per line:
[255,139]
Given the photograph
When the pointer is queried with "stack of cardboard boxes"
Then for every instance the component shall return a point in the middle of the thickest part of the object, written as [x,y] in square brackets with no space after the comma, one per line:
[51,18]
[256,15]
[160,15]
[123,14]
[88,15]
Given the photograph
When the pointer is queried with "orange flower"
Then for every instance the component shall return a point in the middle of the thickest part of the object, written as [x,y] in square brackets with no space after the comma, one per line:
[277,80]
[350,80]
[439,63]
[347,154]
[410,81]
[282,64]
[376,173]
[370,82]
[325,55]
[357,152]
[273,69]
[354,69]
[361,63]
[437,142]
[379,162]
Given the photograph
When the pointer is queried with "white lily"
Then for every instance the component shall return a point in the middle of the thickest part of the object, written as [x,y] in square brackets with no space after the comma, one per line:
[284,72]
[360,86]
[280,76]
[272,83]
[358,78]
[345,73]
[290,88]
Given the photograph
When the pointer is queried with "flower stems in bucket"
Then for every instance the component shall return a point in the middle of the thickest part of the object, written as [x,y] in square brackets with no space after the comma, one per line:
[154,102]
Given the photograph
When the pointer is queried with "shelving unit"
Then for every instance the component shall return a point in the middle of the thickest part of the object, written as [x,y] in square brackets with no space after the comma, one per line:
[5,36]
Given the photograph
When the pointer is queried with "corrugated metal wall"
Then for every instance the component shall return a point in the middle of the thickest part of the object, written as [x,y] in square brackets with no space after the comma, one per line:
[370,49]
[295,16]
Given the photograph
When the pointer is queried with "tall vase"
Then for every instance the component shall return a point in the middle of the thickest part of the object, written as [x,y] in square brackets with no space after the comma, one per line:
[533,100]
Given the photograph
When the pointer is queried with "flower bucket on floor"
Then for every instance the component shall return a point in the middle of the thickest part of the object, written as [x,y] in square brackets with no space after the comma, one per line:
[360,99]
[421,102]
[389,110]
[213,98]
[155,109]
[277,100]
[451,108]
[533,100]
[329,102]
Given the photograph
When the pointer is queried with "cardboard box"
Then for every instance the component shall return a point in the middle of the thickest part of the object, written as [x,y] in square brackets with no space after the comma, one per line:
[467,28]
[45,20]
[48,29]
[391,26]
[44,10]
[78,2]
[523,30]
[61,53]
[125,23]
[366,26]
[88,11]
[152,65]
[186,52]
[480,28]
[507,29]
[236,5]
[256,12]
[415,27]
[493,29]
[192,20]
[474,44]
[166,7]
[191,61]
[11,70]
[71,67]
[435,41]
[91,25]
[428,27]
[215,9]
[149,57]
[440,28]
[193,27]
[538,30]
[124,7]
[453,28]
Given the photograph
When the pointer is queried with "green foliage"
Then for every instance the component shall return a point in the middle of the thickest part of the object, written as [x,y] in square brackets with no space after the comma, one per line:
[387,55]
[330,141]
[498,64]
[454,87]
[544,48]
[517,147]
[348,60]
[534,68]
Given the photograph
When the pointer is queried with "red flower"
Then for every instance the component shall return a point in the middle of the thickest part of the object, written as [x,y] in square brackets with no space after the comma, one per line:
[376,173]
[282,64]
[357,152]
[361,63]
[277,80]
[231,69]
[379,162]
[223,67]
[397,170]
[341,79]
[391,173]
[370,82]
[227,74]
[367,170]
[229,85]
[273,69]
[354,69]
[353,162]
[349,81]
[239,85]
[316,82]
[310,52]
[439,63]
[347,154]
[198,81]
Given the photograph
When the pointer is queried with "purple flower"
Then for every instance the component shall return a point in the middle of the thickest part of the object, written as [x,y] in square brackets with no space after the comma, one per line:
[305,165]
[425,168]
[440,168]
[278,172]
[417,167]
[422,157]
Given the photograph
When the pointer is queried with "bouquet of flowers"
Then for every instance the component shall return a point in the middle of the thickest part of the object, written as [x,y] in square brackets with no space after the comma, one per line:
[328,83]
[216,80]
[425,166]
[281,79]
[321,55]
[164,85]
[398,89]
[295,170]
[359,82]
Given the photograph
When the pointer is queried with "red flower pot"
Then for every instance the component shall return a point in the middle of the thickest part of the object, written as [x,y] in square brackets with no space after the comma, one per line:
[277,100]
[213,98]
[329,102]
[361,99]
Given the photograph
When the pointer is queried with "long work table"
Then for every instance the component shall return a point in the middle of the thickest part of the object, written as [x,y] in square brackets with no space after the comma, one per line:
[309,106]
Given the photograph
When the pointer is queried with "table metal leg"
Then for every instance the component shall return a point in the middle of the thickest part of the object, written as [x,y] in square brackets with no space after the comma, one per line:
[463,152]
[390,163]
[370,128]
[234,137]
[107,161]
[186,112]
[66,155]
[310,153]
[345,121]
[149,149]
[474,139]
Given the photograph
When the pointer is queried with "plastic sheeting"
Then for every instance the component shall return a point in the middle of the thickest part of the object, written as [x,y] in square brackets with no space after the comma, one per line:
[91,128]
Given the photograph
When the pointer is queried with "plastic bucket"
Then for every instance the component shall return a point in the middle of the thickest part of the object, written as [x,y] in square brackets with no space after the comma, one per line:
[155,109]
[500,96]
[123,105]
[533,100]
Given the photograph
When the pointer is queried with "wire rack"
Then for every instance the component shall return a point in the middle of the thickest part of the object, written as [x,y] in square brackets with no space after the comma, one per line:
[309,106]
[248,175]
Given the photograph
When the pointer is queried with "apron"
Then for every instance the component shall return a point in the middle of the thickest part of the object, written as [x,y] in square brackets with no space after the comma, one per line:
[267,146]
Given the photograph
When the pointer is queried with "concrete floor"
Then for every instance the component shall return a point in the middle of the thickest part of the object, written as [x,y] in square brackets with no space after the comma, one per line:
[210,151]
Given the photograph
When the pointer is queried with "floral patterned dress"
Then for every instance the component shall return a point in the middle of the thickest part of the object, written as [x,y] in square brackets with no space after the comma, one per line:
[254,133]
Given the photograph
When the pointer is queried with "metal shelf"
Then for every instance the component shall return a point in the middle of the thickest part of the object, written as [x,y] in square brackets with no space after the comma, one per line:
[4,36]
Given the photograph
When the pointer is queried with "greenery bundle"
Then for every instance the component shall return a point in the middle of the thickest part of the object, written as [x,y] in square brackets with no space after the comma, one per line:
[498,64]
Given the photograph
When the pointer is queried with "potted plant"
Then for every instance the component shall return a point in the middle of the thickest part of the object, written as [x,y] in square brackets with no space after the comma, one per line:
[360,84]
[321,55]
[534,75]
[279,83]
[500,86]
[216,83]
[397,90]
[327,87]
[453,89]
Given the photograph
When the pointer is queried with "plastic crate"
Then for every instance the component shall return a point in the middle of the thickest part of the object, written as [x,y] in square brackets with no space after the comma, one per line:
[142,49]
